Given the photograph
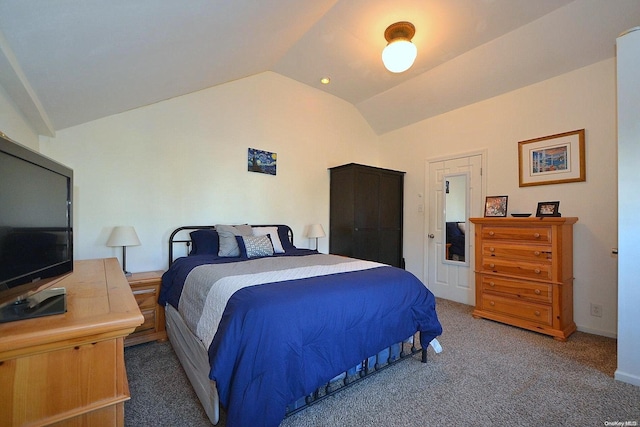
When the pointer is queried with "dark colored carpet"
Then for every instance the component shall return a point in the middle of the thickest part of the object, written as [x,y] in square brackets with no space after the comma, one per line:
[487,374]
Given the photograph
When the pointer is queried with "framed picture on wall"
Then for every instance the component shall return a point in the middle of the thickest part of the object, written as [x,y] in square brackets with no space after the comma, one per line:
[496,206]
[261,161]
[553,159]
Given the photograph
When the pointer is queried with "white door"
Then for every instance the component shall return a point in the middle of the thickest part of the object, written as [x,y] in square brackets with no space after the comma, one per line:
[447,278]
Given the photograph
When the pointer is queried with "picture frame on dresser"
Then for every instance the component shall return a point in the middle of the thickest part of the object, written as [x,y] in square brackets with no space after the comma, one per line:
[553,159]
[548,209]
[496,206]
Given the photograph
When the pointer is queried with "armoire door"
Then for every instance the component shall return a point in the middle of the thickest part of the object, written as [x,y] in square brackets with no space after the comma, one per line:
[390,219]
[366,215]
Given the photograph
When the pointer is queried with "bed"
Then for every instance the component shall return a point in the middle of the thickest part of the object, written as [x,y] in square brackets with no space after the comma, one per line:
[265,329]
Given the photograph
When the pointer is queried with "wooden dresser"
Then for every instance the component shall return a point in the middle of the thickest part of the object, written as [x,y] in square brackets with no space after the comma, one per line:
[524,273]
[69,368]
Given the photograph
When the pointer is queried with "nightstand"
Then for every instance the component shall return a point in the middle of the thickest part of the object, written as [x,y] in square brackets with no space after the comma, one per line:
[146,289]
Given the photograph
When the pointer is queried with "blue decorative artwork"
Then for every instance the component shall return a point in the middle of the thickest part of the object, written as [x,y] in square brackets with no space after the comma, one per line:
[550,159]
[261,161]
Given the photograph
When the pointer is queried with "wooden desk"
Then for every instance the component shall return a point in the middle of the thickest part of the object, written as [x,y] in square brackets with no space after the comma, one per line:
[69,368]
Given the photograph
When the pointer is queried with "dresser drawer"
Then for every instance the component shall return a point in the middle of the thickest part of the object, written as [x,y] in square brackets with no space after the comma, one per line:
[531,234]
[146,297]
[149,321]
[537,292]
[72,380]
[524,252]
[540,271]
[524,310]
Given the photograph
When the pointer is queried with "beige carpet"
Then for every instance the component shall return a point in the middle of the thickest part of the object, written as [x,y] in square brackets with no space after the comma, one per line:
[487,374]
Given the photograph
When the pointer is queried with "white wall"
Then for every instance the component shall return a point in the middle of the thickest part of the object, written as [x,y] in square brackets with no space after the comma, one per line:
[184,162]
[13,123]
[629,206]
[585,98]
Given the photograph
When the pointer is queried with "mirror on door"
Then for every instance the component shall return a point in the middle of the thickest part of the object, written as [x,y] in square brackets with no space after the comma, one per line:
[456,217]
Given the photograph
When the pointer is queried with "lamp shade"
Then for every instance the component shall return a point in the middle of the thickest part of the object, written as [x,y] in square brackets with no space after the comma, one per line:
[315,231]
[123,236]
[399,55]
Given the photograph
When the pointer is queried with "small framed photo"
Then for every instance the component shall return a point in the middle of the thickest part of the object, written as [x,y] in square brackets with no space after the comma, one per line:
[548,209]
[495,206]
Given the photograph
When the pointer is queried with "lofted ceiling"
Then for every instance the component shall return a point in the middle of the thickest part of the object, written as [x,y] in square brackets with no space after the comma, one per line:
[67,62]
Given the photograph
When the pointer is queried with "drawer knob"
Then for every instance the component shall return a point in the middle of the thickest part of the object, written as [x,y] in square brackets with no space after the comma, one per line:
[492,249]
[492,265]
[536,235]
[537,253]
[492,284]
[537,271]
[491,233]
[537,313]
[537,292]
[491,303]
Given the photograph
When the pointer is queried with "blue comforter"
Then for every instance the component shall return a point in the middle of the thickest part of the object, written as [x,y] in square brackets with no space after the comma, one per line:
[278,342]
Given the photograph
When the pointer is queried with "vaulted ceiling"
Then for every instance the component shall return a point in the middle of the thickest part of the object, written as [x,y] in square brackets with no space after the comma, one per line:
[66,62]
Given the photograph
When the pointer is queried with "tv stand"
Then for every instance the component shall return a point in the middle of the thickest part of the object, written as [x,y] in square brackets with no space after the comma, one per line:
[46,302]
[69,369]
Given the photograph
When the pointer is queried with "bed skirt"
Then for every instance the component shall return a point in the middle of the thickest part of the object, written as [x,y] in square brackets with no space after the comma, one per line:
[194,358]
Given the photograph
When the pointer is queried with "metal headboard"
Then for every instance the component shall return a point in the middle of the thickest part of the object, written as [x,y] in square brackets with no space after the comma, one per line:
[187,241]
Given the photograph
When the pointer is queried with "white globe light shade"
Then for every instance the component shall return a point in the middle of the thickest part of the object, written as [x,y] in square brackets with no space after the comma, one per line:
[399,55]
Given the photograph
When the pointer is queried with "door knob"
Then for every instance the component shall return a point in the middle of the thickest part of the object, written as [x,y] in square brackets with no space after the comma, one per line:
[431,236]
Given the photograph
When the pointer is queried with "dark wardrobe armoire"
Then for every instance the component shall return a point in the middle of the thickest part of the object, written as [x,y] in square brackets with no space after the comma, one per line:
[365,219]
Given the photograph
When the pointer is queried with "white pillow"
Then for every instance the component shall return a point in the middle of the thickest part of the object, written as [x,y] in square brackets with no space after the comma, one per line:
[272,232]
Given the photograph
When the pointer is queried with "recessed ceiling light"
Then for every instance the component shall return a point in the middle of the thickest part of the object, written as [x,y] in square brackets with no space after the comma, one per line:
[325,80]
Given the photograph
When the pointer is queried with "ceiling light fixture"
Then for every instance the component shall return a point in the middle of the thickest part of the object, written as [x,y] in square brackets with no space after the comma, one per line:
[325,80]
[399,54]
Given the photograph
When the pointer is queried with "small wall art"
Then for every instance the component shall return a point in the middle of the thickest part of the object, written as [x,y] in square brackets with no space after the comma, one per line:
[261,161]
[552,159]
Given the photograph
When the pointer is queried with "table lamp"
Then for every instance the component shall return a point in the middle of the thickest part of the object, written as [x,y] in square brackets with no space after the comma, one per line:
[123,236]
[315,231]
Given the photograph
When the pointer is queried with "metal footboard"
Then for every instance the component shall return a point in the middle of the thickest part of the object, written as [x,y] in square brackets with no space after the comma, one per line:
[347,379]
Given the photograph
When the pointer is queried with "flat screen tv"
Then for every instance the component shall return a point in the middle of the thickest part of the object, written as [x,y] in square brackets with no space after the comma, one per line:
[36,232]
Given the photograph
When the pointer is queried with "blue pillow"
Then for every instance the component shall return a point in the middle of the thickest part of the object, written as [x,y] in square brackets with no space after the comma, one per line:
[283,233]
[205,242]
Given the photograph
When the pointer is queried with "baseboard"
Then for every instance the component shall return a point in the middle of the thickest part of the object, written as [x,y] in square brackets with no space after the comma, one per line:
[627,378]
[597,332]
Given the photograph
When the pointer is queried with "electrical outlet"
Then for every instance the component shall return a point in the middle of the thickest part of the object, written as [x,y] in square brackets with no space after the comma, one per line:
[596,310]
